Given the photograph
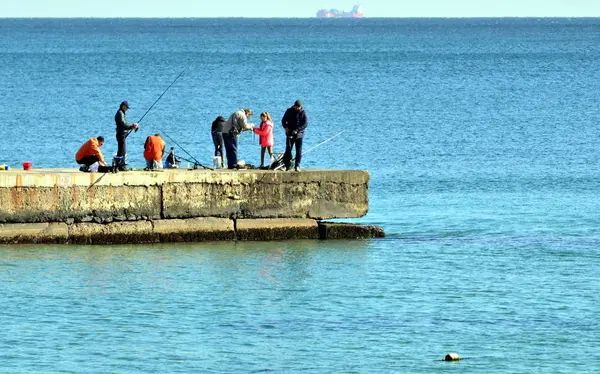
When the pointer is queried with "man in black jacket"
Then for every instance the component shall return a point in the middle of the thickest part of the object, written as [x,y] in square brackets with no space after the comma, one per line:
[216,131]
[123,129]
[294,123]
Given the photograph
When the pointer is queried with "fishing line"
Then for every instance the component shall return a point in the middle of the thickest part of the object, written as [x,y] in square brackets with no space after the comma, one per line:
[323,142]
[186,152]
[148,111]
[164,92]
[279,167]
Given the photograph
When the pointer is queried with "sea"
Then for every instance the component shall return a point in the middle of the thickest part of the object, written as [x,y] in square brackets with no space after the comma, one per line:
[481,138]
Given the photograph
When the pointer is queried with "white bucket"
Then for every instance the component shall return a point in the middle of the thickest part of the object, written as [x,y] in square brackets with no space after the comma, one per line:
[217,162]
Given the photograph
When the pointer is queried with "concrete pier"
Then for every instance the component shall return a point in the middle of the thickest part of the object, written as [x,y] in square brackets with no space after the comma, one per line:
[68,206]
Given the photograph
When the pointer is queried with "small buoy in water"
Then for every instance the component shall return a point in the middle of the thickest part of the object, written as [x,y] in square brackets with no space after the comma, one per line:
[452,357]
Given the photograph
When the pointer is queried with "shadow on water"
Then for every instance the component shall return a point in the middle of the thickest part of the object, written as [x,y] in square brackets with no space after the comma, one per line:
[230,267]
[215,250]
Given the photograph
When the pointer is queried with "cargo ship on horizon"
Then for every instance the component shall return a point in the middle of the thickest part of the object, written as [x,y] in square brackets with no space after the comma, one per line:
[356,12]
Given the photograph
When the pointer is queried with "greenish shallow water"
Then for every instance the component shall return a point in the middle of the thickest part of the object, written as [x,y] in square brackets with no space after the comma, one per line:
[342,306]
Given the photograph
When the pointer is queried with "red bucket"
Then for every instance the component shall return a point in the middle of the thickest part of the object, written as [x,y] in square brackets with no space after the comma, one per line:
[26,165]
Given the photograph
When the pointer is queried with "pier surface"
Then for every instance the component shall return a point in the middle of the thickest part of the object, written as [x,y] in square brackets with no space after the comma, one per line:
[66,205]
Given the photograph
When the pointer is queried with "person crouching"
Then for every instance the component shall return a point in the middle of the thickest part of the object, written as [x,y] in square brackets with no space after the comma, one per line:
[154,150]
[89,154]
[172,162]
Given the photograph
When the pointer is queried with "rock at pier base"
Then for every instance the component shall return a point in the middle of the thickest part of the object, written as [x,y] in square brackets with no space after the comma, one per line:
[182,230]
[14,233]
[112,233]
[194,229]
[276,229]
[335,230]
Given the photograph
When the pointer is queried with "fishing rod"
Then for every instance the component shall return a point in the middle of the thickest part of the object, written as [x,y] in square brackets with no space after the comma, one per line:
[161,95]
[323,142]
[188,160]
[186,152]
[110,170]
[149,109]
[185,159]
[279,167]
[96,181]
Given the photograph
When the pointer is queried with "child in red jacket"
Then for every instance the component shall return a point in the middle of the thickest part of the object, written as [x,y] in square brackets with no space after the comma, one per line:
[265,132]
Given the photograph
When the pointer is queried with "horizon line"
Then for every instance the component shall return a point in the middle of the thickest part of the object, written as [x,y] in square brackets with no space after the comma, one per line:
[276,17]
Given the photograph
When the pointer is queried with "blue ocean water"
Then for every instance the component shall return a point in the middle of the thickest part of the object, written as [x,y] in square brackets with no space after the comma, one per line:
[480,136]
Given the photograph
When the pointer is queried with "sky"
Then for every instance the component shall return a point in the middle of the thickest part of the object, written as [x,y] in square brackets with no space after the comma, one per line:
[298,8]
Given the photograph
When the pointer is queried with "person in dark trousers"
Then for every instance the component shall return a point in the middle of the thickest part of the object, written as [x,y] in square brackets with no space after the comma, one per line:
[89,154]
[123,128]
[217,136]
[236,123]
[294,123]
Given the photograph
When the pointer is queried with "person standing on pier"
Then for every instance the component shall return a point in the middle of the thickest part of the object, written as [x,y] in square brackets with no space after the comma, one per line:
[294,123]
[236,123]
[216,132]
[265,133]
[123,129]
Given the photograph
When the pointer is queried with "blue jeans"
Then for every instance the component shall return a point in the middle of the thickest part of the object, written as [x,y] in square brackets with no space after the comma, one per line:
[231,150]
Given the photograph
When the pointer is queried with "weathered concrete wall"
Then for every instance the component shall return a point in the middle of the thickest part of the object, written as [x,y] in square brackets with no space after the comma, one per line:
[68,195]
[268,194]
[67,206]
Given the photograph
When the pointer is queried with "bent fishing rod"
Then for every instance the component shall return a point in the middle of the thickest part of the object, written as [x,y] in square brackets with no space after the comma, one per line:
[161,95]
[323,142]
[313,148]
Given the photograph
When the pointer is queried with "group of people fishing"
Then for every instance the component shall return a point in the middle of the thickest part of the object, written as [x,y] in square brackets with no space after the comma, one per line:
[224,133]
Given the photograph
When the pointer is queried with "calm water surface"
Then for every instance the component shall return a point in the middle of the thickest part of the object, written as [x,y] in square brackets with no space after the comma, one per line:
[481,139]
[391,305]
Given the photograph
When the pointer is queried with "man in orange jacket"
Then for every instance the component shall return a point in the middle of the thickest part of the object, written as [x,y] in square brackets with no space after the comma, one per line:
[154,150]
[90,153]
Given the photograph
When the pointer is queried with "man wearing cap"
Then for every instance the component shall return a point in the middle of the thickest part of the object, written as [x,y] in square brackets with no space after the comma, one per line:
[294,123]
[123,129]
